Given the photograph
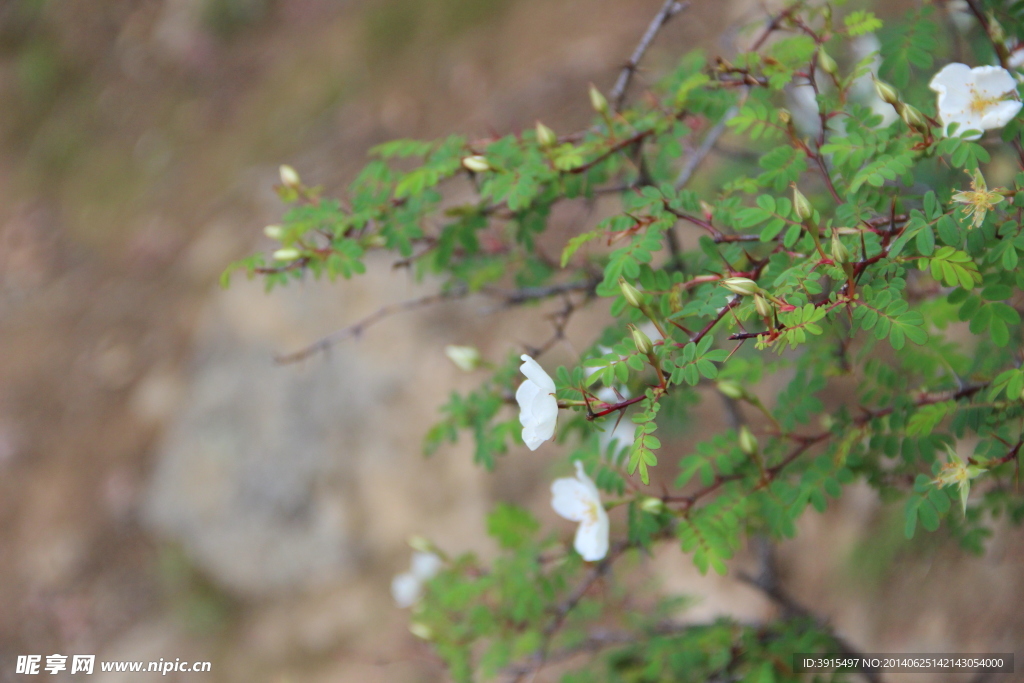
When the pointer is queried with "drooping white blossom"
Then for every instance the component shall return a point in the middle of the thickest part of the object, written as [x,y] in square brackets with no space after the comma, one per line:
[538,408]
[578,500]
[981,98]
[406,588]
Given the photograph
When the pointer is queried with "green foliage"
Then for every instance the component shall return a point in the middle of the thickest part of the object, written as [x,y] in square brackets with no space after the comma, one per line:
[886,252]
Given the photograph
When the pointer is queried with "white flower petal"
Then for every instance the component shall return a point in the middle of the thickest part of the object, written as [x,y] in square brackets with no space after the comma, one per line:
[425,566]
[993,80]
[571,499]
[973,97]
[952,76]
[578,500]
[1000,114]
[538,408]
[967,121]
[591,540]
[405,589]
[535,373]
[581,475]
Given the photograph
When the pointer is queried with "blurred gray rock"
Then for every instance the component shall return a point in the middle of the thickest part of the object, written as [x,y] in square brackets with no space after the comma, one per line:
[248,478]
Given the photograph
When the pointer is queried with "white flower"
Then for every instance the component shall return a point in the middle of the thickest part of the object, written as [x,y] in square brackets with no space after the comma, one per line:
[578,500]
[538,408]
[406,588]
[978,99]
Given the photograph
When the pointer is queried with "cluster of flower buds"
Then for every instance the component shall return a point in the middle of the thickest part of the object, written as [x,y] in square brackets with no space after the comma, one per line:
[910,114]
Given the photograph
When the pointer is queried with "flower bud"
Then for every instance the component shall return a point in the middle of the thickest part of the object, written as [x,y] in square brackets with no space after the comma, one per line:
[545,136]
[912,116]
[598,101]
[286,254]
[476,163]
[741,285]
[421,630]
[630,293]
[886,92]
[373,241]
[826,63]
[996,32]
[763,306]
[421,544]
[840,254]
[748,443]
[642,341]
[652,505]
[730,389]
[804,210]
[289,177]
[466,358]
[784,116]
[274,232]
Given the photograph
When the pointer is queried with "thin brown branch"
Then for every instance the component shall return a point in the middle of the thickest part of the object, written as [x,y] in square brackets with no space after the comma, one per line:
[356,329]
[706,145]
[564,608]
[767,582]
[668,10]
[509,298]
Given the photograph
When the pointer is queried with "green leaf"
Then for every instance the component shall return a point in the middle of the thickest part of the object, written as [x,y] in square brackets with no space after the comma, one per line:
[511,526]
[861,22]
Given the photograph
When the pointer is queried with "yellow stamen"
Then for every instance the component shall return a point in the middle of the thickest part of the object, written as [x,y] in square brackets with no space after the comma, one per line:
[979,103]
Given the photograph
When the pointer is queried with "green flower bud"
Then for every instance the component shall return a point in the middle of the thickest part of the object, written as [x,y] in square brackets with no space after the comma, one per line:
[421,544]
[630,293]
[274,232]
[763,306]
[748,443]
[652,505]
[642,341]
[598,101]
[886,92]
[840,254]
[373,241]
[476,163]
[731,389]
[913,118]
[803,207]
[995,30]
[741,285]
[826,63]
[289,177]
[287,254]
[545,136]
[466,358]
[784,116]
[421,630]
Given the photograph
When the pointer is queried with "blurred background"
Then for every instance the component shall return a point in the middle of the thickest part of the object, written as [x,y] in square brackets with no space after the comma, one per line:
[166,490]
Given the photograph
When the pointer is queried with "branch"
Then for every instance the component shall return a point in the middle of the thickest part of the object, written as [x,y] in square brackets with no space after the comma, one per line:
[563,609]
[668,10]
[767,582]
[509,297]
[705,148]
